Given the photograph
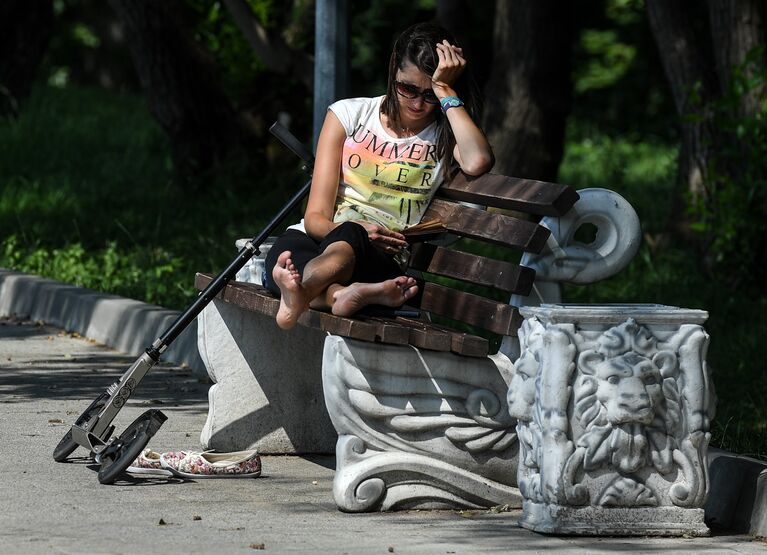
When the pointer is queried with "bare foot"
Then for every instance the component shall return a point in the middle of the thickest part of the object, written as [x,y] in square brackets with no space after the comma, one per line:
[393,292]
[293,301]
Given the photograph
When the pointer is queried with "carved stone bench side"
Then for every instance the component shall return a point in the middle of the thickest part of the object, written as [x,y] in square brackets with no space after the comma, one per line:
[419,428]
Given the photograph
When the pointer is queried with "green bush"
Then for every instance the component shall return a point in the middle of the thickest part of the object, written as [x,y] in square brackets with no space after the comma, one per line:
[153,275]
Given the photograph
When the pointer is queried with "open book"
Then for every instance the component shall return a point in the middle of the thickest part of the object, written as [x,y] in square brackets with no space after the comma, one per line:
[423,231]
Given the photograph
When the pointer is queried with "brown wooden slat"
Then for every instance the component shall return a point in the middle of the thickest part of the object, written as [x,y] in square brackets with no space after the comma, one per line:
[258,299]
[474,310]
[469,345]
[473,268]
[390,331]
[347,327]
[424,336]
[429,336]
[525,195]
[246,295]
[460,343]
[495,228]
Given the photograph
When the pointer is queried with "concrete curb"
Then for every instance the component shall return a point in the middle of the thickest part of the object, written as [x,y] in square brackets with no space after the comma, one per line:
[737,501]
[124,324]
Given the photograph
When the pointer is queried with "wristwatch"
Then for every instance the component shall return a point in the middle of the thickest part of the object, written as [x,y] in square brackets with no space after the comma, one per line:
[450,102]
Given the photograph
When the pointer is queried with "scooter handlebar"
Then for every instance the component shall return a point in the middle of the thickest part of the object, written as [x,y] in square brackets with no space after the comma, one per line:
[289,140]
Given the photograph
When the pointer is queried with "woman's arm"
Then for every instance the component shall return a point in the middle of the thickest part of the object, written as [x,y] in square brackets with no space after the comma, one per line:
[318,218]
[472,151]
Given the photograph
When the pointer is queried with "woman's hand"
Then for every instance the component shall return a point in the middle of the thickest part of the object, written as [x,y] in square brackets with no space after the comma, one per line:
[449,69]
[383,238]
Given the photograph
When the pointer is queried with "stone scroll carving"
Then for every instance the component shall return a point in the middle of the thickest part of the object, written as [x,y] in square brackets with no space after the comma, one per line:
[419,428]
[613,419]
[565,259]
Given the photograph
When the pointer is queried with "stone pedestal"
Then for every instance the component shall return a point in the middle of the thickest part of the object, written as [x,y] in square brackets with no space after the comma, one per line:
[268,385]
[613,404]
[419,429]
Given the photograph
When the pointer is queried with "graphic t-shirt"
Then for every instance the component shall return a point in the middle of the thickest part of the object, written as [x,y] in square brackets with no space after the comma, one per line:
[384,179]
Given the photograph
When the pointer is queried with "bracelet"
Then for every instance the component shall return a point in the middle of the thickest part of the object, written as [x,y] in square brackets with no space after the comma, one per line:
[450,102]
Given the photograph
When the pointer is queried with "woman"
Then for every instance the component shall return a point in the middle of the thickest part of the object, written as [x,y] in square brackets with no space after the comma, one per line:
[392,153]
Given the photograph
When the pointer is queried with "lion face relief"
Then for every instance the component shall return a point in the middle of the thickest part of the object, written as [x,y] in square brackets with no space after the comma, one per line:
[629,388]
[621,400]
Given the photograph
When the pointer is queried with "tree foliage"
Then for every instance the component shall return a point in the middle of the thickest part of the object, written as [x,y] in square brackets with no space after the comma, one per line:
[730,219]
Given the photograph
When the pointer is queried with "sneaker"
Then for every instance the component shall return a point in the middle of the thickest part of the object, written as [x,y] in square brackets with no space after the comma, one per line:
[169,461]
[241,464]
[148,462]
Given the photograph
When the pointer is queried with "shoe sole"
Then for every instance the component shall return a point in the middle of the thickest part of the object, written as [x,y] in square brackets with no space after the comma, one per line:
[196,476]
[148,471]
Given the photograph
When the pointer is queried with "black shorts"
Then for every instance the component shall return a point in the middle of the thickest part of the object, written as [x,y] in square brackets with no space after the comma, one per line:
[370,264]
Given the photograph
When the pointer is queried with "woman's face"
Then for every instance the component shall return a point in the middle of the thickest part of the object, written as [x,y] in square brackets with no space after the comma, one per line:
[414,111]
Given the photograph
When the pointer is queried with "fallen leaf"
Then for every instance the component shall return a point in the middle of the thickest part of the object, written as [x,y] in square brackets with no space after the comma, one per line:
[257,546]
[391,549]
[55,421]
[196,517]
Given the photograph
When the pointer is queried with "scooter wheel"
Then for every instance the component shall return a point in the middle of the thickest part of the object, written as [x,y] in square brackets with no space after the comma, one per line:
[67,445]
[119,454]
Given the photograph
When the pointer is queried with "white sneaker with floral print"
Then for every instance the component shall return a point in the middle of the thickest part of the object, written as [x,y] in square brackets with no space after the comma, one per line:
[240,464]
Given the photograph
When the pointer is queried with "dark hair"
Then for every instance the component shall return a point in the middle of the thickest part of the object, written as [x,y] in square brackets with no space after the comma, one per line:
[417,45]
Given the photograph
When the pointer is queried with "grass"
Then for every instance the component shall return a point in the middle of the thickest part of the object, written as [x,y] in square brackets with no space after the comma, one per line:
[87,196]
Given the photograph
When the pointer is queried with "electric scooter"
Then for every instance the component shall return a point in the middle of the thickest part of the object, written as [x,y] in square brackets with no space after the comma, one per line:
[93,428]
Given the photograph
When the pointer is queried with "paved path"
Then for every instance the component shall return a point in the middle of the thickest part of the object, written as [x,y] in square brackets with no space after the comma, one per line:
[48,377]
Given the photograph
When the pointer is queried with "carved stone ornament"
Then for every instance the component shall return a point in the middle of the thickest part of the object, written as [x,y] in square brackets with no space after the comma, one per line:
[419,429]
[565,259]
[614,405]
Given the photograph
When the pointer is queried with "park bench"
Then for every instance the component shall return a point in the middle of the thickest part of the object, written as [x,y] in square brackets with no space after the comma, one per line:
[415,407]
[433,262]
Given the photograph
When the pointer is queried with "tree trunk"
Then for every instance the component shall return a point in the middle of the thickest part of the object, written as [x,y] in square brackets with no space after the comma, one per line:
[529,92]
[692,81]
[26,27]
[180,82]
[722,169]
[737,28]
[273,51]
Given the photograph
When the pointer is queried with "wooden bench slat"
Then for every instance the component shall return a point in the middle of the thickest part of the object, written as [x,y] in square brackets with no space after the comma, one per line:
[347,327]
[495,228]
[525,195]
[473,268]
[474,310]
[431,336]
[258,299]
[389,331]
[462,343]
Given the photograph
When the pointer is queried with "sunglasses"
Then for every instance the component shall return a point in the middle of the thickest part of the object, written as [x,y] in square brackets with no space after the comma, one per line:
[407,90]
